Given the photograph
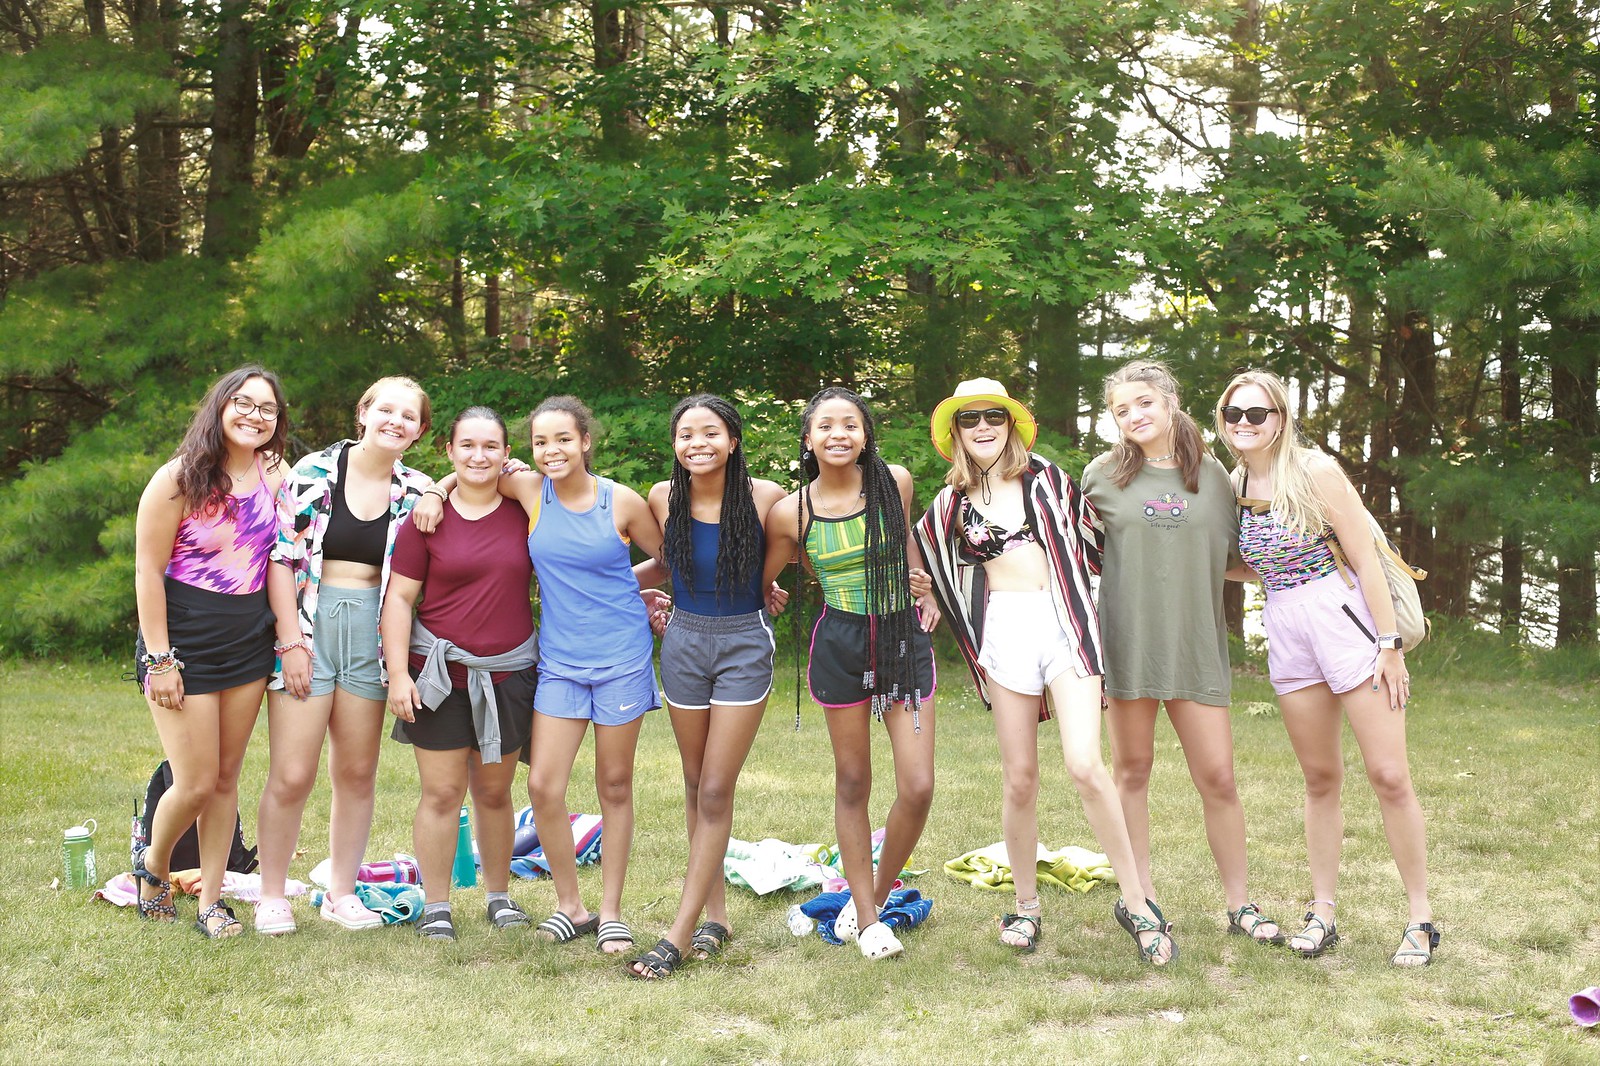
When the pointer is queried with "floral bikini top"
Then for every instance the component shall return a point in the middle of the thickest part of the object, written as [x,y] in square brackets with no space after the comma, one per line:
[982,540]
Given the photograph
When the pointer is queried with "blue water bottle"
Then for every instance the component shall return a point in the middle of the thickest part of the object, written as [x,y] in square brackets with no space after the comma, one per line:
[464,874]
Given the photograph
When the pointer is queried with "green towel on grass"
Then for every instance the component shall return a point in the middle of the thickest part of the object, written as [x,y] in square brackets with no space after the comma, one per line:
[1070,867]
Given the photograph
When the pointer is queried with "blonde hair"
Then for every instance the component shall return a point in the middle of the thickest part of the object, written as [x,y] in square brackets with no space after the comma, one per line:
[424,405]
[1188,447]
[1295,499]
[965,472]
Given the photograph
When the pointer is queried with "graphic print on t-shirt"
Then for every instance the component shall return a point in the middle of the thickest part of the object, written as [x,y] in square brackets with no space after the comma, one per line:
[1167,507]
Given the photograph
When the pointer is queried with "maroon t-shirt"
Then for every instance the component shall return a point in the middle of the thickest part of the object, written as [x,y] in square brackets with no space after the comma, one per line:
[475,576]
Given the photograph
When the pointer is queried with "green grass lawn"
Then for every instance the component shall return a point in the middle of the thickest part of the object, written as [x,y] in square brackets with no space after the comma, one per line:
[1506,771]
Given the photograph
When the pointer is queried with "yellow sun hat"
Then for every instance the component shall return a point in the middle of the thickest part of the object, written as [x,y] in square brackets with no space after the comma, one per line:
[971,391]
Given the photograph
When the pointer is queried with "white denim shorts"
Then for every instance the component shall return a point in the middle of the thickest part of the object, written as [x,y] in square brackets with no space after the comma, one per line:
[1024,646]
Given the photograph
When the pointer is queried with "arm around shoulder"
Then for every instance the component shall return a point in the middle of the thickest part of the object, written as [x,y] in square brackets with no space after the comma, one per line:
[782,536]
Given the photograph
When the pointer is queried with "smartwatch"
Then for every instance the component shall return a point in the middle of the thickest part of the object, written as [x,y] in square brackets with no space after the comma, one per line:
[1390,640]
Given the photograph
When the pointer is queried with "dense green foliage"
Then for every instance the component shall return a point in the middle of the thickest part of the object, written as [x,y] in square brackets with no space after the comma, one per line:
[1399,212]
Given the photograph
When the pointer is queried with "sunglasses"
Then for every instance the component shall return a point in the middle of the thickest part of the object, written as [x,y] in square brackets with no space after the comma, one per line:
[995,416]
[1256,415]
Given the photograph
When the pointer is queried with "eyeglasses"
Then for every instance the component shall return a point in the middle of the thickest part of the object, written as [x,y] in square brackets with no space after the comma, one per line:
[1256,415]
[995,416]
[246,406]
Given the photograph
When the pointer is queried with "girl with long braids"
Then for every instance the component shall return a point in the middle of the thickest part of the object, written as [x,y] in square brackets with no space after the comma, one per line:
[716,652]
[1171,528]
[870,656]
[1010,542]
[206,528]
[1333,650]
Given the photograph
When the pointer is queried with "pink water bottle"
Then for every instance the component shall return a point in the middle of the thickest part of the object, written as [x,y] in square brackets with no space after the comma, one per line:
[402,869]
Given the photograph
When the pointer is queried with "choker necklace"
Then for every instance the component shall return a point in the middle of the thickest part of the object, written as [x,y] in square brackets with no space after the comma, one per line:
[1159,458]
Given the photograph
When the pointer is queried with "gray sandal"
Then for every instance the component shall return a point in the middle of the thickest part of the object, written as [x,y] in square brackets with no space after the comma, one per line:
[505,914]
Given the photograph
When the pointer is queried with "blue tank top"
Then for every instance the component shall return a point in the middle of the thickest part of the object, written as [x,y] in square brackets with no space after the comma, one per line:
[703,599]
[590,611]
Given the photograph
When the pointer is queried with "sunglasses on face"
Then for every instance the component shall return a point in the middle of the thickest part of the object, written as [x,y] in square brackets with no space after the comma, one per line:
[995,416]
[1256,415]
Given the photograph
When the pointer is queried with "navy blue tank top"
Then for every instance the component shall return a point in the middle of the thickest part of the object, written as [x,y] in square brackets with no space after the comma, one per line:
[703,599]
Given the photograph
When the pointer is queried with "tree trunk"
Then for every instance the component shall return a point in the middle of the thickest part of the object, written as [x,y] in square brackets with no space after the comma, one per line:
[1511,561]
[1054,349]
[1407,369]
[157,153]
[491,306]
[230,223]
[1244,95]
[1573,384]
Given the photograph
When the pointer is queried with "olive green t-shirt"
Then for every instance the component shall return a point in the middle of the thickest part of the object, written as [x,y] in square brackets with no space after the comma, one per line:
[1166,550]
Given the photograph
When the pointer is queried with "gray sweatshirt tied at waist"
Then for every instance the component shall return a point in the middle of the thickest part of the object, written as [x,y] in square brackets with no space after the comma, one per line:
[433,683]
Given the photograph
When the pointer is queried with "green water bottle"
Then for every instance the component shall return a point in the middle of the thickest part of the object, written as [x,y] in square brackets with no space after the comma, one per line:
[77,856]
[465,872]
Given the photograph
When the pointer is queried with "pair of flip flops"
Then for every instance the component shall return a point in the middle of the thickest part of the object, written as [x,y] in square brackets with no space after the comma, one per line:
[563,930]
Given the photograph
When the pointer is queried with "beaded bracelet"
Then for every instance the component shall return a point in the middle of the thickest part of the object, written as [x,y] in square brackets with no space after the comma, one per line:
[280,649]
[162,662]
[434,490]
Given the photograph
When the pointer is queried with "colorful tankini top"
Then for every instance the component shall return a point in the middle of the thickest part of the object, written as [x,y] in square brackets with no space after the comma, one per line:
[1283,558]
[224,547]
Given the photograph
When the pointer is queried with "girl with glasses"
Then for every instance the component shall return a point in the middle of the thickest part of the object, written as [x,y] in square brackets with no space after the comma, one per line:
[341,510]
[206,527]
[1010,542]
[1333,649]
[1171,532]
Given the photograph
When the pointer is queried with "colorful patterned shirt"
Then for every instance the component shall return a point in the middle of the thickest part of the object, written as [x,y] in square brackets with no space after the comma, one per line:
[224,547]
[1283,558]
[305,505]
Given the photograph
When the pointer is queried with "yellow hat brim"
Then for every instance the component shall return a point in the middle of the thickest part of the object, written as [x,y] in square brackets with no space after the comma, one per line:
[944,419]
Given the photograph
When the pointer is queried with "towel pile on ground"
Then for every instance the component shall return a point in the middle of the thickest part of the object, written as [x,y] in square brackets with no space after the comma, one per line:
[1070,867]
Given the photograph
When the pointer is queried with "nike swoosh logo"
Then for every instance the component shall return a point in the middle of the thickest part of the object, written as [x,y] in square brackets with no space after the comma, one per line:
[628,706]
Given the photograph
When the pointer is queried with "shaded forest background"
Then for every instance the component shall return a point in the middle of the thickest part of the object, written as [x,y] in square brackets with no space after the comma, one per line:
[1397,206]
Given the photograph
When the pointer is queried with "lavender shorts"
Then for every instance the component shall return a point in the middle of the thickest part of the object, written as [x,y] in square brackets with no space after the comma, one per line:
[1319,632]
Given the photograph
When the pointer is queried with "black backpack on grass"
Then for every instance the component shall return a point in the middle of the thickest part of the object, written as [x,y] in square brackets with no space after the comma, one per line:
[186,852]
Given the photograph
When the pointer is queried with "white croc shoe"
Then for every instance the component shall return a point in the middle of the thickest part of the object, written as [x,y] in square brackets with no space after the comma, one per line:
[877,941]
[844,926]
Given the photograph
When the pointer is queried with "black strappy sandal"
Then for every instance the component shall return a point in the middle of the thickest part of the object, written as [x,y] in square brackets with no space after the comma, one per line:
[161,908]
[230,926]
[709,939]
[658,963]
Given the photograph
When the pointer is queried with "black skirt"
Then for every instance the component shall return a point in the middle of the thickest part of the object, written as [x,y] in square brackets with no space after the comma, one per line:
[223,640]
